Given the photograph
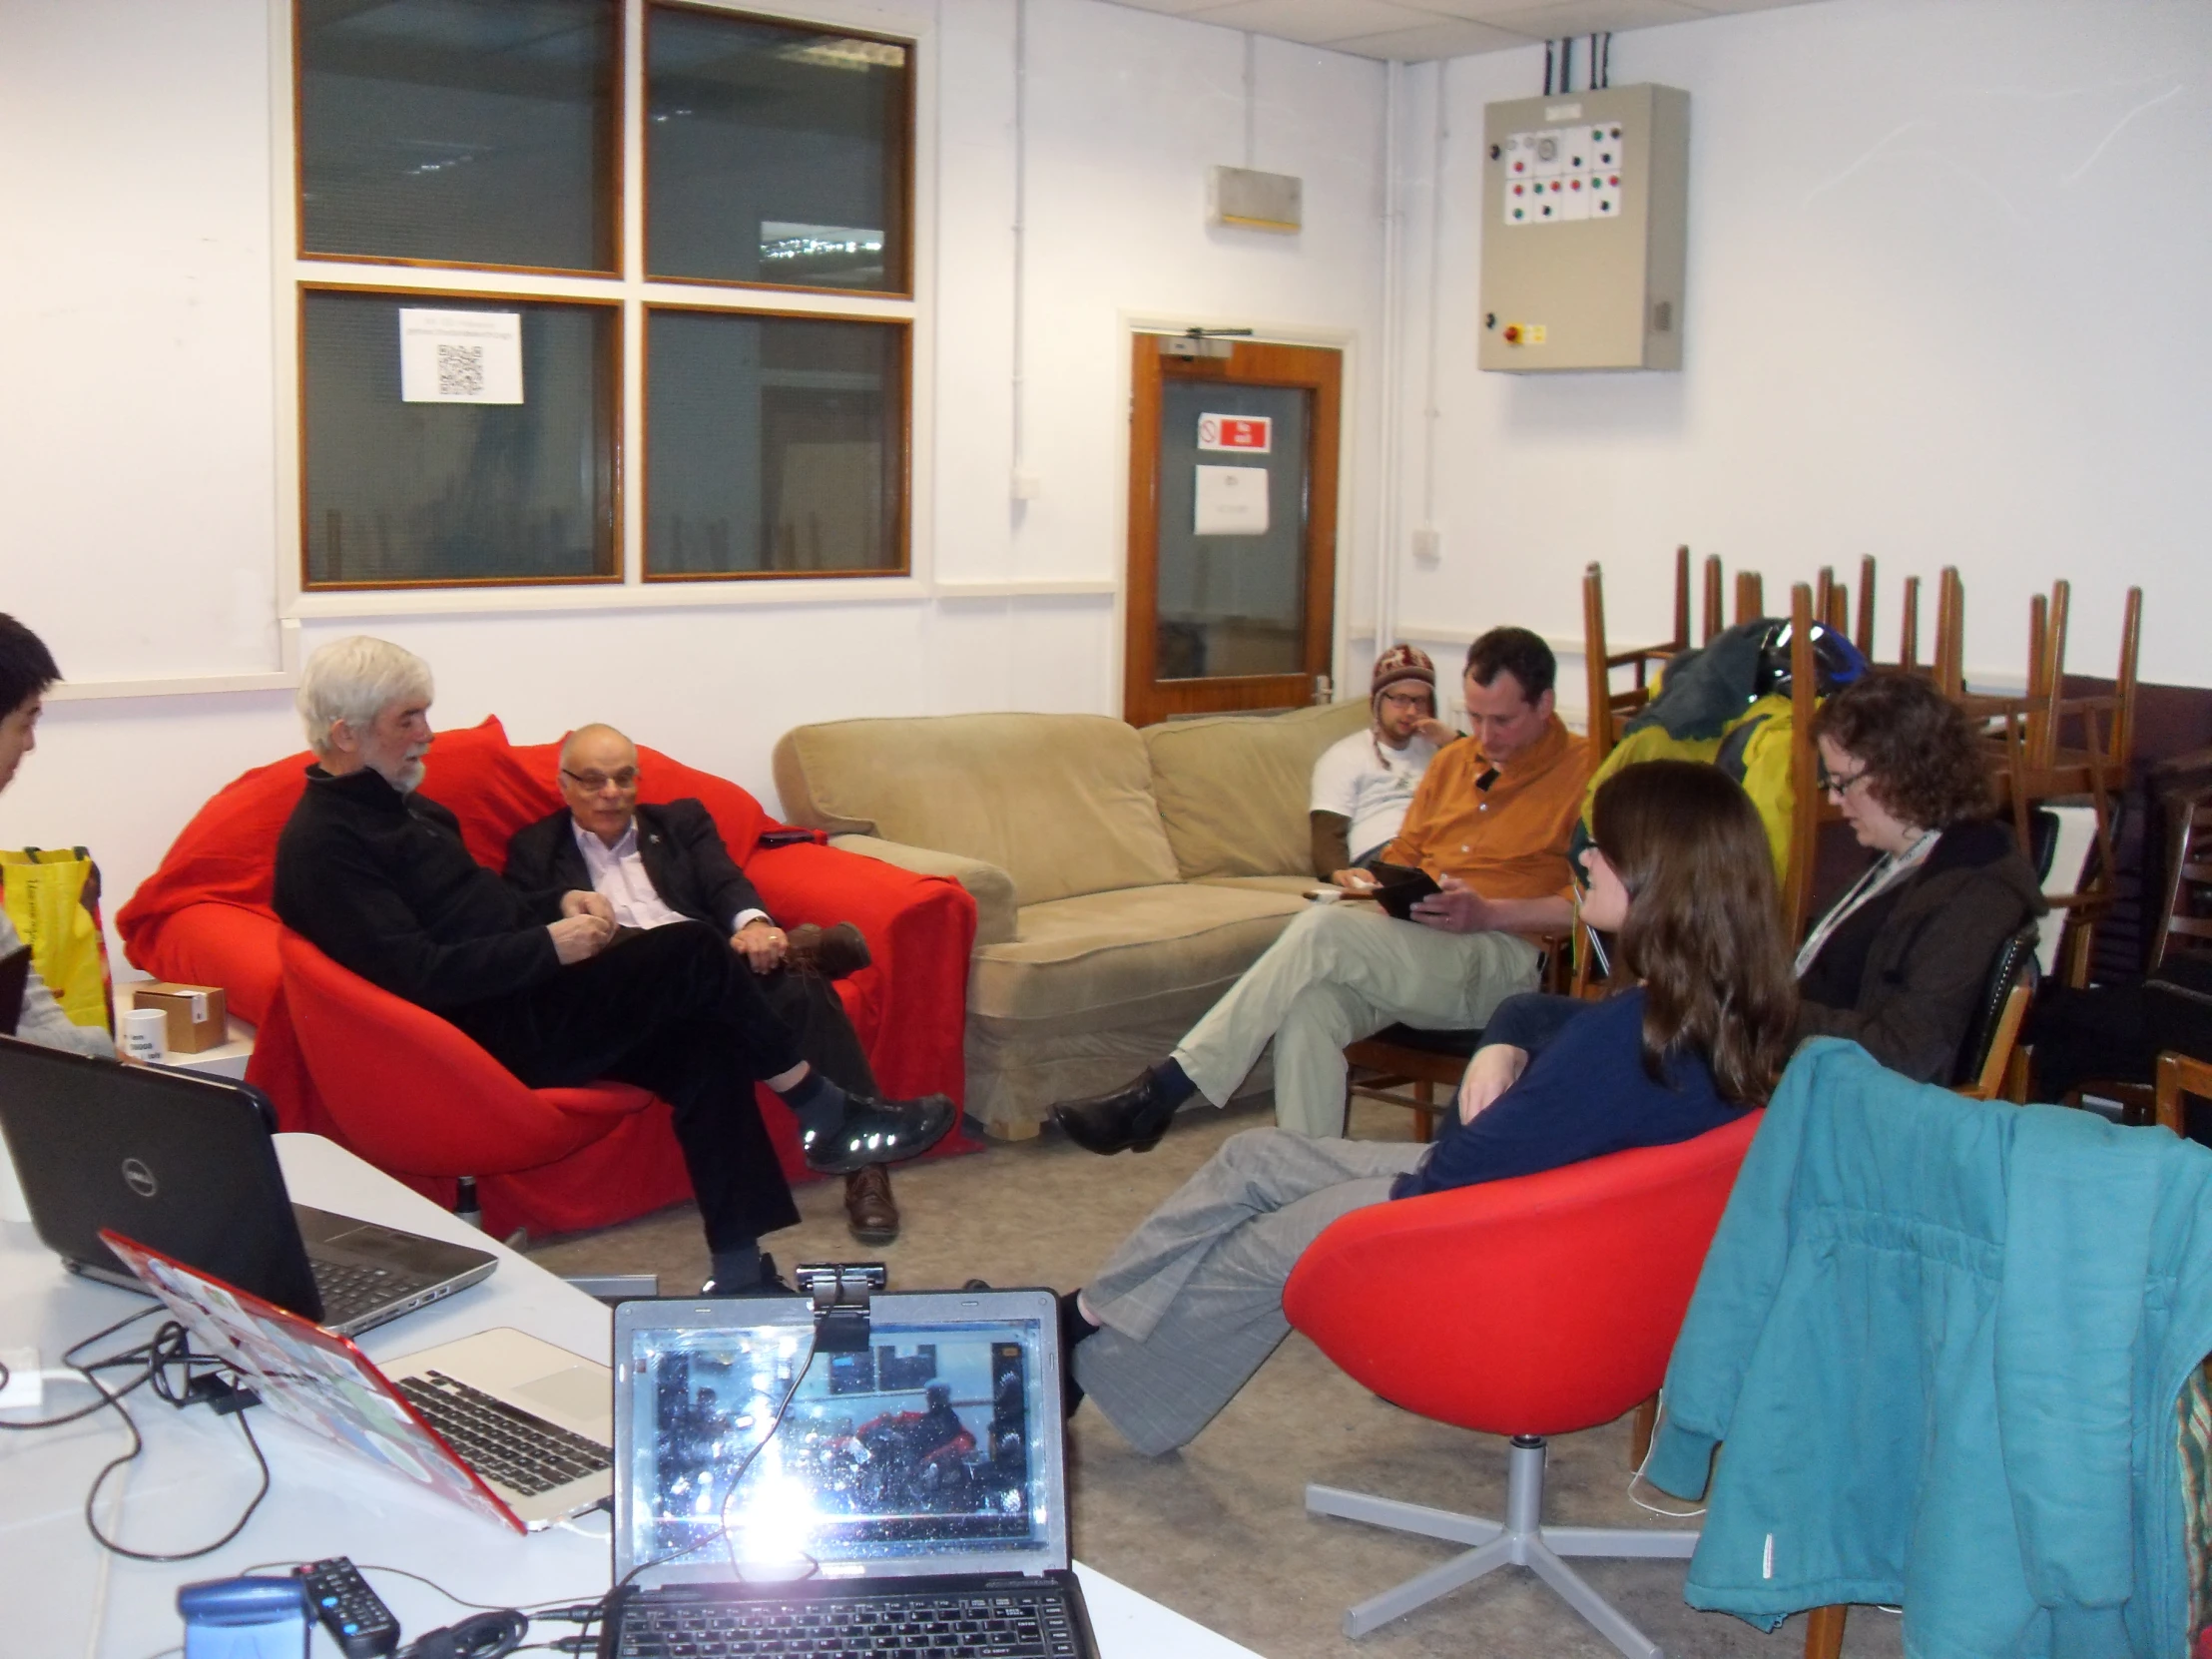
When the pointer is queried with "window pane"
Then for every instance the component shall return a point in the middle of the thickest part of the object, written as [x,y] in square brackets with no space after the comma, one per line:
[480,132]
[774,153]
[1232,605]
[773,444]
[456,491]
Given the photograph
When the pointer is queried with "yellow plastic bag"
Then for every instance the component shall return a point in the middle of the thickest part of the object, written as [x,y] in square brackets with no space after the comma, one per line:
[53,898]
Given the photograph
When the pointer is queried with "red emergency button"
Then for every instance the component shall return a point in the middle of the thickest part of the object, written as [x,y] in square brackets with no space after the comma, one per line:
[1513,333]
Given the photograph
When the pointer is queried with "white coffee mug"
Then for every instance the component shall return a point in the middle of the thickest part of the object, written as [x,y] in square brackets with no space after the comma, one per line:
[145,1034]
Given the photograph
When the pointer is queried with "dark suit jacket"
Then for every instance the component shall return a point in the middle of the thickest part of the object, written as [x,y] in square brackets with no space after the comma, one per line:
[681,849]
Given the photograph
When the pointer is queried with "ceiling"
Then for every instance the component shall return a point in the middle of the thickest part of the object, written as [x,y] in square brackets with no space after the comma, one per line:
[1414,31]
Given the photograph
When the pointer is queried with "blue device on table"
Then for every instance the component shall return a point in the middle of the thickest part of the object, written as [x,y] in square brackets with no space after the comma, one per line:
[244,1618]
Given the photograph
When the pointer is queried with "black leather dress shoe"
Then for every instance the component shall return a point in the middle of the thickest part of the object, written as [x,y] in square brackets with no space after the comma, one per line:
[880,1132]
[771,1282]
[1131,1119]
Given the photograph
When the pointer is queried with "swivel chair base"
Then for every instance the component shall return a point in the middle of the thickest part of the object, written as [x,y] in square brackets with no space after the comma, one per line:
[1523,1540]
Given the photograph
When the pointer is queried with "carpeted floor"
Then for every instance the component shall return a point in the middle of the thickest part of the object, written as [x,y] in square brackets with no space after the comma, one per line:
[1219,1531]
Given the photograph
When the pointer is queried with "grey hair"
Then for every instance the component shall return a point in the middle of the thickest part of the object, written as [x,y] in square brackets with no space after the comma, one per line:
[355,680]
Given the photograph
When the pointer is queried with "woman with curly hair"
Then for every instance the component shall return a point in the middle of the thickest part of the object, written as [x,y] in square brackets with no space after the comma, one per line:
[1185,1311]
[1898,963]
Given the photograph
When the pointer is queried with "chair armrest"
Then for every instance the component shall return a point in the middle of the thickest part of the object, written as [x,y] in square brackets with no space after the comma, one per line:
[2180,1074]
[991,887]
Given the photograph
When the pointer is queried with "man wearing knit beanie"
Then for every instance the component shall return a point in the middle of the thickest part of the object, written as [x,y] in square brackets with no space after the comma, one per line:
[1363,782]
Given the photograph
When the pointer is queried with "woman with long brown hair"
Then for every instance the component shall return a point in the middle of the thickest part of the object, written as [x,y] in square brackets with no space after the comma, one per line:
[1183,1314]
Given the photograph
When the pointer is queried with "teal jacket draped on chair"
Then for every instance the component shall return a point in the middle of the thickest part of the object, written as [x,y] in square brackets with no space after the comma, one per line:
[1942,1341]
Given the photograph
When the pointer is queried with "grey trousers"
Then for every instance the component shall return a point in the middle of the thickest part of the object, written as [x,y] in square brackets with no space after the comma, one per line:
[1192,1302]
[1337,974]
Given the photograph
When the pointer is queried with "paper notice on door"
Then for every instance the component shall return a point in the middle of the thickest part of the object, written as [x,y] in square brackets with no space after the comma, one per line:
[460,356]
[1231,501]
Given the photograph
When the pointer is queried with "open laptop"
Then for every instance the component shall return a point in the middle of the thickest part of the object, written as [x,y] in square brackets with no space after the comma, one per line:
[500,1423]
[185,1163]
[911,1497]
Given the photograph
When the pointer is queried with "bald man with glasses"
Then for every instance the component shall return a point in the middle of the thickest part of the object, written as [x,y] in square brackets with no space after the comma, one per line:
[659,864]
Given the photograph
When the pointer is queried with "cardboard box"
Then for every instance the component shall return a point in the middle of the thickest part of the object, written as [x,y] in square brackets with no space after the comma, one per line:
[197,1020]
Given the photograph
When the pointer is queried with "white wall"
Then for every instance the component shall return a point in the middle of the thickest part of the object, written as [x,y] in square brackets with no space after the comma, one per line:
[1948,268]
[140,439]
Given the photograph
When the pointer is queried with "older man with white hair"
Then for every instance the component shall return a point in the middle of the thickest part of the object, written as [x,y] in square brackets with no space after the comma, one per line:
[376,875]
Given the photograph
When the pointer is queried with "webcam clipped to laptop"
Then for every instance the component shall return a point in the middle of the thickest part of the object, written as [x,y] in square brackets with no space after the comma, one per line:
[184,1163]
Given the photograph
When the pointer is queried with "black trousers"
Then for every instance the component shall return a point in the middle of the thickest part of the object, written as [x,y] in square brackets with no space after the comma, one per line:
[813,1013]
[677,1011]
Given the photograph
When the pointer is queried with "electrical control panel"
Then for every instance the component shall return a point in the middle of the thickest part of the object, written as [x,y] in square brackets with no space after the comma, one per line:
[1584,213]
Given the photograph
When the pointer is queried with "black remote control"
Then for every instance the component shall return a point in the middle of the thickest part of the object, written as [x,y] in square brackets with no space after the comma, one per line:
[350,1611]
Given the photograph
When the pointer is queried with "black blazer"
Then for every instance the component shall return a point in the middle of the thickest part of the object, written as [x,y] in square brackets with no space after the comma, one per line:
[681,849]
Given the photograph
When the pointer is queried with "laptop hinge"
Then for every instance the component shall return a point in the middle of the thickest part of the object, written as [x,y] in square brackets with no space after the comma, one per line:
[839,1292]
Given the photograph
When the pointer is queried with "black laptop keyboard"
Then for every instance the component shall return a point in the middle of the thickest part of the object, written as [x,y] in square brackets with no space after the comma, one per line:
[1020,1625]
[503,1442]
[351,1289]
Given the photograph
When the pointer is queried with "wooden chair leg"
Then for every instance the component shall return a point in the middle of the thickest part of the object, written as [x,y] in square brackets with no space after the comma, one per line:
[1824,1632]
[1640,1430]
[1424,1111]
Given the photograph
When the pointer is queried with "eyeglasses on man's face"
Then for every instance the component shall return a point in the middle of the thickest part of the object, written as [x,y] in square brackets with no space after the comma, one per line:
[1406,700]
[592,782]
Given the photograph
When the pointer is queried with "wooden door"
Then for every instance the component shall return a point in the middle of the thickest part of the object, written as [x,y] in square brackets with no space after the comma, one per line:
[1232,528]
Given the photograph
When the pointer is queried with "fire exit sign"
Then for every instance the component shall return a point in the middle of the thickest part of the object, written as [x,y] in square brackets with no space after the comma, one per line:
[1248,434]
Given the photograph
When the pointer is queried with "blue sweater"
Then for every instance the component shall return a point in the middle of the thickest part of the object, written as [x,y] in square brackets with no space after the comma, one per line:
[1583,1095]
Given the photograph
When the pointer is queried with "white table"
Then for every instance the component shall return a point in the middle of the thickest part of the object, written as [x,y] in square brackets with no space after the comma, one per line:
[62,1596]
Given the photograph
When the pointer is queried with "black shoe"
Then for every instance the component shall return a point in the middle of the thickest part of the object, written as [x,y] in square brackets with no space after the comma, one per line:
[880,1132]
[771,1282]
[1130,1120]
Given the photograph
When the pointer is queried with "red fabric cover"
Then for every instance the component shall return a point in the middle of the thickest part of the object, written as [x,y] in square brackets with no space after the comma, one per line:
[205,917]
[226,856]
[1541,1305]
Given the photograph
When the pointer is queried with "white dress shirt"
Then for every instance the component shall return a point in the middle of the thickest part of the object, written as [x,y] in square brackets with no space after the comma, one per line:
[617,874]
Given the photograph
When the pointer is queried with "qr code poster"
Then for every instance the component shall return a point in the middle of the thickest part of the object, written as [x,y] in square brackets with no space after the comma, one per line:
[460,356]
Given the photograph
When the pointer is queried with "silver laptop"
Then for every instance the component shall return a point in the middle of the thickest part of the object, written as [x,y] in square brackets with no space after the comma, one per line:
[185,1163]
[499,1421]
[789,1477]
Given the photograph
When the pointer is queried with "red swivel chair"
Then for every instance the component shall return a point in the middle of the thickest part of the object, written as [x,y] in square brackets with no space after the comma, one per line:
[416,1097]
[1533,1307]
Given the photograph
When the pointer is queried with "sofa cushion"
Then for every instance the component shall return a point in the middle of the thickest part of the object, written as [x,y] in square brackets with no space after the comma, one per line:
[1061,803]
[1233,790]
[1092,961]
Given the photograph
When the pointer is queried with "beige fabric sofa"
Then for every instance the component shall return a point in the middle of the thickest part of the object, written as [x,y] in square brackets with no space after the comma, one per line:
[1123,878]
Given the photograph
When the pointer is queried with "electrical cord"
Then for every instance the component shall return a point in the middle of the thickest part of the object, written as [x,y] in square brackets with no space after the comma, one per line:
[490,1635]
[595,1611]
[129,1356]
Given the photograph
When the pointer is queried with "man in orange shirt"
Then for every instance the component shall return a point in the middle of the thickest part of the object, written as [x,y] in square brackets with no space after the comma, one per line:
[1489,823]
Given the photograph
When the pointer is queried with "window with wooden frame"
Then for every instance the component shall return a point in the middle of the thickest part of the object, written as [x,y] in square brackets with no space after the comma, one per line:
[470,278]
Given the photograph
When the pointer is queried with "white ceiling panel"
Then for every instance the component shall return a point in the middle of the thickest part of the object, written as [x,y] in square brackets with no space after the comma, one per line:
[1315,22]
[1445,38]
[1583,17]
[1414,31]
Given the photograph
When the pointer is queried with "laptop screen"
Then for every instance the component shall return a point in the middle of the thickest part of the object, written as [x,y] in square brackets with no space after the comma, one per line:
[935,1450]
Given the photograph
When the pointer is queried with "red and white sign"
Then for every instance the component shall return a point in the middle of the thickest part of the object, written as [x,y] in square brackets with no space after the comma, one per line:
[1247,434]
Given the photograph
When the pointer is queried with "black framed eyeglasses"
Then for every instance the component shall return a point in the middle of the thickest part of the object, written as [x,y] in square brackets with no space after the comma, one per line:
[1840,787]
[594,781]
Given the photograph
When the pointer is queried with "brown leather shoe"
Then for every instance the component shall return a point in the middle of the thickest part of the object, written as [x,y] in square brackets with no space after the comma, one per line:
[869,1210]
[833,952]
